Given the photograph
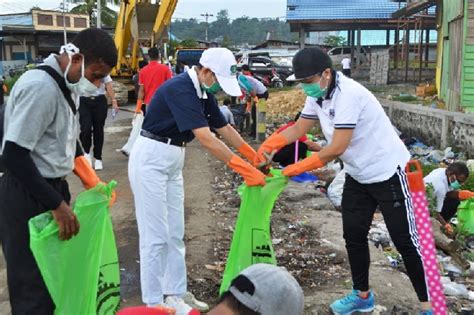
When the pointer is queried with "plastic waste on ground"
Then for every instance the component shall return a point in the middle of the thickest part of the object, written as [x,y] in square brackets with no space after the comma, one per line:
[304,178]
[82,274]
[336,187]
[137,123]
[251,242]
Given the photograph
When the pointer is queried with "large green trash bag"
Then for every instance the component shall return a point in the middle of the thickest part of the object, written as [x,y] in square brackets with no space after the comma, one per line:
[82,274]
[251,242]
[465,216]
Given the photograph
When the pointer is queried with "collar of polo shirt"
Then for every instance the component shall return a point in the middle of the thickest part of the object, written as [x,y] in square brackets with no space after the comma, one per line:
[197,85]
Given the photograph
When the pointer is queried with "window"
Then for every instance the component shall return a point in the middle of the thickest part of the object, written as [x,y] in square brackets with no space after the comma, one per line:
[80,22]
[59,21]
[45,19]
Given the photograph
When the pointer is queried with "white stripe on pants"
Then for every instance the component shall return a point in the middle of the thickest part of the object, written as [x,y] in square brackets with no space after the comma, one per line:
[156,179]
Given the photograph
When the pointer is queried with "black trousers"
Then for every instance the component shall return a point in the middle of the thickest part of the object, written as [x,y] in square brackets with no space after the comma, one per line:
[93,112]
[286,155]
[28,292]
[450,207]
[359,202]
[346,72]
[253,131]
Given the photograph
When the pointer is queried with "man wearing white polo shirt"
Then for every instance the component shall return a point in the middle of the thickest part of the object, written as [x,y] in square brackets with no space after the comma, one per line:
[360,134]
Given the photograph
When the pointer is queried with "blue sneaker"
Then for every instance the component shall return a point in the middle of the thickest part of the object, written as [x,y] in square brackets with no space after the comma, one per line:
[430,312]
[352,303]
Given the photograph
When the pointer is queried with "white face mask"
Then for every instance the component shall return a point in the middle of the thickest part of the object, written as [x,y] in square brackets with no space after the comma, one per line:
[83,86]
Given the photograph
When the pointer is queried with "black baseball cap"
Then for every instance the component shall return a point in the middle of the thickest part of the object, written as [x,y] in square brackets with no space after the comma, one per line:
[308,62]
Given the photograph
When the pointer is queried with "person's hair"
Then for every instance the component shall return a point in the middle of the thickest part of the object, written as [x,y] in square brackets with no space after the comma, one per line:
[238,308]
[458,168]
[153,53]
[297,116]
[227,101]
[245,68]
[97,47]
[142,64]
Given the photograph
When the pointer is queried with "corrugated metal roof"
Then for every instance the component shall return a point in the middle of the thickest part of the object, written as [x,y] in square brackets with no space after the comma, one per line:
[24,19]
[340,9]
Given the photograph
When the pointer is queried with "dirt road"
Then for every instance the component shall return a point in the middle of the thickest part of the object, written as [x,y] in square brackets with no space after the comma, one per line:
[308,241]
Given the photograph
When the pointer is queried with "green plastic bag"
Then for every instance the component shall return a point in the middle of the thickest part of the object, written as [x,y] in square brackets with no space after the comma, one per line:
[82,274]
[465,216]
[251,242]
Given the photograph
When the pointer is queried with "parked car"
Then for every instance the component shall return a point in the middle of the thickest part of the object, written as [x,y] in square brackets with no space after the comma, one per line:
[339,53]
[265,67]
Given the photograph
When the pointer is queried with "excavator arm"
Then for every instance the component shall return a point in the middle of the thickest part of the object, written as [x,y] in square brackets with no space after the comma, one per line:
[140,24]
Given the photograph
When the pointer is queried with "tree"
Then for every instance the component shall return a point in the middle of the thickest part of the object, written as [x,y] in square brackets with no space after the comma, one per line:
[189,43]
[108,16]
[335,41]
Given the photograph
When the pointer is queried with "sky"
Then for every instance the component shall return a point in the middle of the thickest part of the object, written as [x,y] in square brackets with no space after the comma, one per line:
[185,8]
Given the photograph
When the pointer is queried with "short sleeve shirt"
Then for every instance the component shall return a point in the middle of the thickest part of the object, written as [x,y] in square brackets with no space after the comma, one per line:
[101,89]
[250,84]
[346,63]
[152,76]
[227,114]
[179,106]
[375,151]
[38,118]
[439,180]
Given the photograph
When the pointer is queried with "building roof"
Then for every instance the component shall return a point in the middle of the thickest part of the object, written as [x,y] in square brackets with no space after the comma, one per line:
[20,19]
[341,9]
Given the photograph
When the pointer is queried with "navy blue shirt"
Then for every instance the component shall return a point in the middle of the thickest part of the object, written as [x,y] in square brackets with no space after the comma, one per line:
[176,109]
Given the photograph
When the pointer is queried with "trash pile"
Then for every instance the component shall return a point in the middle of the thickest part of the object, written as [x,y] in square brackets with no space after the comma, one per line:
[285,104]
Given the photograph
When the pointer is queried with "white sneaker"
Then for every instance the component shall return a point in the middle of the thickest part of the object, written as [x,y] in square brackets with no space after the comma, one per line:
[98,165]
[178,304]
[189,299]
[88,158]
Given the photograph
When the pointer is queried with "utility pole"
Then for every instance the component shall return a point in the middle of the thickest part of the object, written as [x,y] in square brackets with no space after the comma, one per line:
[63,7]
[99,14]
[207,16]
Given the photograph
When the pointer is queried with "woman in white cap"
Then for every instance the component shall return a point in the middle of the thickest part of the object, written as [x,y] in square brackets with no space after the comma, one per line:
[181,109]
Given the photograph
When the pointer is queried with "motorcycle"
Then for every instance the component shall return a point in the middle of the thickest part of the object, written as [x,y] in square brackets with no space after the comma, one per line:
[274,81]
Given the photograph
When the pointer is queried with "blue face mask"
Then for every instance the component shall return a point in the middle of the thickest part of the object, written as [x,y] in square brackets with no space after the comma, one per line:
[314,90]
[213,89]
[455,185]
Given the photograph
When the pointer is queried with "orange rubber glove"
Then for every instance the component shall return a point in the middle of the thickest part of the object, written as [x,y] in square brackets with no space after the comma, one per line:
[251,175]
[465,194]
[138,109]
[275,142]
[246,150]
[255,100]
[310,163]
[448,229]
[88,176]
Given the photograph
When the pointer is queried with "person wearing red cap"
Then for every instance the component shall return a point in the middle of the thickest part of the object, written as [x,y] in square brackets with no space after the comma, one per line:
[184,107]
[359,133]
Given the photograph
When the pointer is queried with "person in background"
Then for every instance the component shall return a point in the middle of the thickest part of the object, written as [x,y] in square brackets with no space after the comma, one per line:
[254,90]
[227,113]
[286,155]
[261,289]
[446,183]
[40,148]
[135,78]
[346,67]
[3,90]
[151,77]
[92,115]
[246,70]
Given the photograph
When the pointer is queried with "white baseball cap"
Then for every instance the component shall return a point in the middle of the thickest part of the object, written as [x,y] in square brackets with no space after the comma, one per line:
[221,62]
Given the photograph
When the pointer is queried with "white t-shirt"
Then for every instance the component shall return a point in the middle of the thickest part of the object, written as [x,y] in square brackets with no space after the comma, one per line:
[375,151]
[227,114]
[440,183]
[101,90]
[346,63]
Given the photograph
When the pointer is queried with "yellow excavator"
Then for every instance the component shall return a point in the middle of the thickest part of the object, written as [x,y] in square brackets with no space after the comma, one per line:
[141,24]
